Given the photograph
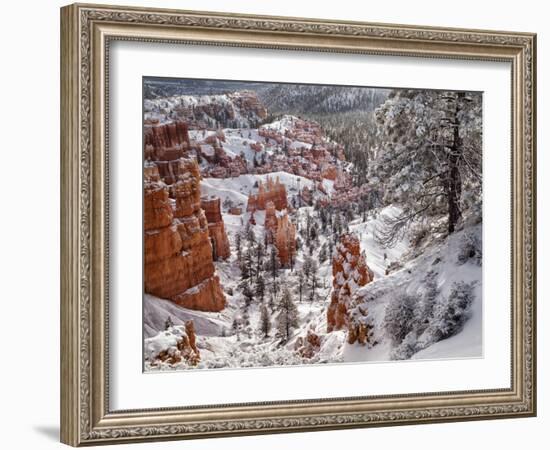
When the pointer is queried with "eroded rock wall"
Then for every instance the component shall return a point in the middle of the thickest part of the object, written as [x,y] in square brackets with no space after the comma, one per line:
[349,271]
[178,251]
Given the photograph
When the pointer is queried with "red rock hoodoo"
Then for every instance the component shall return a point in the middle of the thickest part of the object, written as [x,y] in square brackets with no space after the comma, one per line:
[216,227]
[281,232]
[349,271]
[178,252]
[186,348]
[307,346]
[272,190]
[270,223]
[285,239]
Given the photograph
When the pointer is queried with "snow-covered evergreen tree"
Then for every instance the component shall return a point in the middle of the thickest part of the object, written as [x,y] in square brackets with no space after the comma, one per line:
[287,319]
[428,152]
[260,288]
[168,323]
[265,321]
[313,281]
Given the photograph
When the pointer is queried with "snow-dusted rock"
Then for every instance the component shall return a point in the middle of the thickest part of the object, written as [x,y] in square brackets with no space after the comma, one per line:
[349,271]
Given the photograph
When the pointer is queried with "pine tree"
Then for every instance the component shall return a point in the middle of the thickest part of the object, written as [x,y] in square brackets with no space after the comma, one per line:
[274,264]
[274,290]
[248,294]
[245,264]
[259,254]
[249,262]
[301,284]
[306,266]
[313,281]
[238,245]
[287,319]
[265,321]
[429,151]
[323,253]
[168,323]
[260,288]
[235,326]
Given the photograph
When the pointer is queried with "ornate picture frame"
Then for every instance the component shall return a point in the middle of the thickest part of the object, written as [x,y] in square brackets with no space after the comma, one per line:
[87,31]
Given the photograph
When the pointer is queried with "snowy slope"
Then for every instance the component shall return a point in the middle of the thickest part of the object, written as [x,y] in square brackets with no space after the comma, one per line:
[157,310]
[442,259]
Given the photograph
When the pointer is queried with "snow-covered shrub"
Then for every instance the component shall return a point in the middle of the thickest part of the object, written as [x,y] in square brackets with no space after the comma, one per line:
[425,308]
[470,249]
[399,318]
[407,348]
[450,314]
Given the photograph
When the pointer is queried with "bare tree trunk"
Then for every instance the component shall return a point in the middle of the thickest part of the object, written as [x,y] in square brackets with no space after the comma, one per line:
[454,181]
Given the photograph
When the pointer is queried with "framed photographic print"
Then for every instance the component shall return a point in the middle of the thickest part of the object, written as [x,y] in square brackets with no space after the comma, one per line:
[277,224]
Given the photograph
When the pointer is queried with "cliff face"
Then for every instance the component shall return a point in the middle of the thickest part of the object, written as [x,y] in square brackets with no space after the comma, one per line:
[166,142]
[178,251]
[248,101]
[216,227]
[272,191]
[349,271]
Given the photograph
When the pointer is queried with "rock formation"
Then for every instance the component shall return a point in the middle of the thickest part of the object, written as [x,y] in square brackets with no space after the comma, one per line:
[281,232]
[349,271]
[248,101]
[166,142]
[181,342]
[216,227]
[272,190]
[178,252]
[285,239]
[238,109]
[270,223]
[307,346]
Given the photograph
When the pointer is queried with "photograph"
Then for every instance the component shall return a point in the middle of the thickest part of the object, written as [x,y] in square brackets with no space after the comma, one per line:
[285,220]
[294,224]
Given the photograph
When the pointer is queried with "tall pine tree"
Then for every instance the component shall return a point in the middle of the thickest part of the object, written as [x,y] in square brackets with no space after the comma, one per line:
[287,319]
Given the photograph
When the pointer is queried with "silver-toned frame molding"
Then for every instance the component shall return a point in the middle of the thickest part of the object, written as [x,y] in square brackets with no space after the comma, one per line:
[86,31]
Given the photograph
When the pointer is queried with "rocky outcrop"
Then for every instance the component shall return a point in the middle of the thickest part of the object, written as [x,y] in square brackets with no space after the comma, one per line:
[309,345]
[285,240]
[216,227]
[270,191]
[178,251]
[281,232]
[248,101]
[349,271]
[166,142]
[270,223]
[224,166]
[173,346]
[237,109]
